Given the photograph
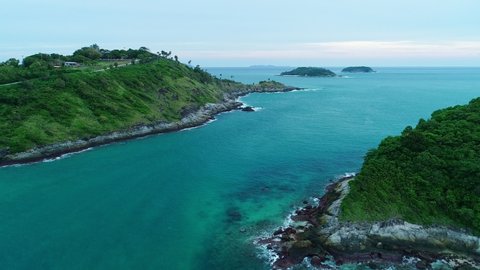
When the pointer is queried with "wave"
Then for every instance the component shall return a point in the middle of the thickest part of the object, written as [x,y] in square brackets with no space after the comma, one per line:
[48,160]
[244,104]
[199,126]
[66,155]
[308,90]
[261,240]
[266,254]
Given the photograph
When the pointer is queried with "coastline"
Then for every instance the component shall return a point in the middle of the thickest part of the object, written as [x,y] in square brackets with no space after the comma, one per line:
[201,116]
[318,238]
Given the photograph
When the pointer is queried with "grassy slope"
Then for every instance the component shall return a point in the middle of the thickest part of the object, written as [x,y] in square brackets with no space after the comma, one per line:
[85,104]
[428,175]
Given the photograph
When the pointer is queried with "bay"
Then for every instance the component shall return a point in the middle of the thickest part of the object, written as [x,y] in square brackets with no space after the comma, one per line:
[196,199]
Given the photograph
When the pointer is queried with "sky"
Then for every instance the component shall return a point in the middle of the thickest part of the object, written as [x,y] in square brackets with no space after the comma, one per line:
[253,32]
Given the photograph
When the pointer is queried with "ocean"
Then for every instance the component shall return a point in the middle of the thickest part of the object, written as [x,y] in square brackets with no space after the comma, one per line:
[198,198]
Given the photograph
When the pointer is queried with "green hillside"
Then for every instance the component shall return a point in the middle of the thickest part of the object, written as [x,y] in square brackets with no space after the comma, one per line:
[428,175]
[54,104]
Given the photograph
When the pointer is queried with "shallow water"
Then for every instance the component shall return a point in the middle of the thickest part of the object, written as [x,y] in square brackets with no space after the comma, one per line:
[195,199]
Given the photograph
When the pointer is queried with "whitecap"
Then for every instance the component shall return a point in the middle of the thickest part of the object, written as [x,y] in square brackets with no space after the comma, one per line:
[199,126]
[66,155]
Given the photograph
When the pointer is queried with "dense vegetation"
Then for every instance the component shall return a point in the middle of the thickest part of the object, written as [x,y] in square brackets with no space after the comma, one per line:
[428,175]
[43,65]
[360,69]
[310,72]
[73,103]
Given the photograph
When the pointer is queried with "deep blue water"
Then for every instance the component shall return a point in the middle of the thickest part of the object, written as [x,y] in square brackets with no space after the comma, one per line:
[195,199]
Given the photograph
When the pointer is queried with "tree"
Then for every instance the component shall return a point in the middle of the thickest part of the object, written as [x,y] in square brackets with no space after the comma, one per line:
[95,47]
[86,54]
[176,58]
[12,62]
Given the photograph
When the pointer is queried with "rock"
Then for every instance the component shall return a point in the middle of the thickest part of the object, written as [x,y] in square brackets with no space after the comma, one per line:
[302,244]
[248,109]
[290,230]
[285,238]
[317,261]
[4,152]
[372,265]
[421,265]
[376,242]
[233,214]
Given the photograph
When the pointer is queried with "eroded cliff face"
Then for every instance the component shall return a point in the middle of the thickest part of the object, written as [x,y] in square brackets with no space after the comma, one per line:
[316,233]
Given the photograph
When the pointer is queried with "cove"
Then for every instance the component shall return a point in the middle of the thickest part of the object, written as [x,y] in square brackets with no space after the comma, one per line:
[195,199]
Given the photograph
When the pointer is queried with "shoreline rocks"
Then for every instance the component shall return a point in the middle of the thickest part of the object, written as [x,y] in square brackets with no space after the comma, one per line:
[322,235]
[191,118]
[247,109]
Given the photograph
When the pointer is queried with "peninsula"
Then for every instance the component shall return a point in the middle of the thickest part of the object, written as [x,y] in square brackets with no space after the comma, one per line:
[52,104]
[416,198]
[309,72]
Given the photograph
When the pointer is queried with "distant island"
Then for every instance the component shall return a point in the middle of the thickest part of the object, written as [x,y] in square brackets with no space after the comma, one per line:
[359,69]
[417,196]
[310,72]
[52,104]
[268,66]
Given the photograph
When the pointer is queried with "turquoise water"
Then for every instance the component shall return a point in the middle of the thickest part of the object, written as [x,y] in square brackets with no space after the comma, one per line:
[195,199]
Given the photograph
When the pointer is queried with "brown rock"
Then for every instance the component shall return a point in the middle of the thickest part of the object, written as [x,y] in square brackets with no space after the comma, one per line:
[317,261]
[302,244]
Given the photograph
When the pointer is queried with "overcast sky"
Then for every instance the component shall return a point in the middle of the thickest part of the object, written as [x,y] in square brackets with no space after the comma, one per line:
[248,32]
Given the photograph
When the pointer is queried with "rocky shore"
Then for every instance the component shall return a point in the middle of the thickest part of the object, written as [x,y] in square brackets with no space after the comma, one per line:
[315,236]
[192,119]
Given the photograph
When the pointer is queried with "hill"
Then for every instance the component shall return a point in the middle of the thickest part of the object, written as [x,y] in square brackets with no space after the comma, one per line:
[417,196]
[64,104]
[428,175]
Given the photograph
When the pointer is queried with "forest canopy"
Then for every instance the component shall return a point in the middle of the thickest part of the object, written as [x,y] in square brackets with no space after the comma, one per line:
[429,174]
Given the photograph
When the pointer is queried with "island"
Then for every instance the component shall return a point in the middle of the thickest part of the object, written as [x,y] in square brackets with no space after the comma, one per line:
[416,200]
[309,72]
[359,69]
[53,104]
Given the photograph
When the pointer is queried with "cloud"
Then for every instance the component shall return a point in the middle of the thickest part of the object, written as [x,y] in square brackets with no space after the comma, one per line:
[343,50]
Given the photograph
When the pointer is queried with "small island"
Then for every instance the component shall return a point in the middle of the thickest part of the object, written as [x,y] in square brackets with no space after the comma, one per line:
[310,72]
[359,69]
